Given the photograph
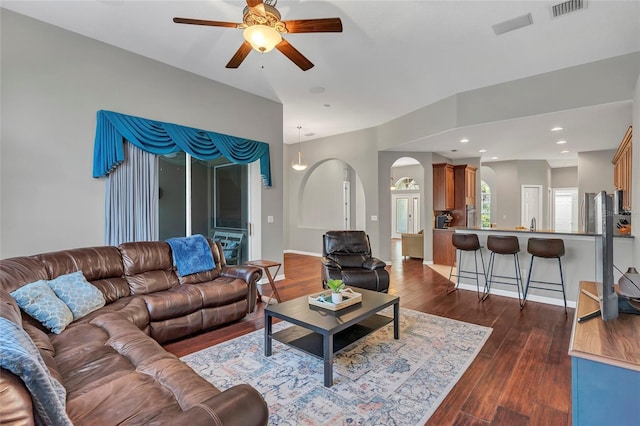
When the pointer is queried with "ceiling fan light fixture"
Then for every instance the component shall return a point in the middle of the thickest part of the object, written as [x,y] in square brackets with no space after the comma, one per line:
[262,37]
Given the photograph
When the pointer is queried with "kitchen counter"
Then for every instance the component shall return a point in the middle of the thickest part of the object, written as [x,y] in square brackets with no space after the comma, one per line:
[537,231]
[578,263]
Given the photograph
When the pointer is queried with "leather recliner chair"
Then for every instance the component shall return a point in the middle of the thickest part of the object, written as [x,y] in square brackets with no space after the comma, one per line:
[346,255]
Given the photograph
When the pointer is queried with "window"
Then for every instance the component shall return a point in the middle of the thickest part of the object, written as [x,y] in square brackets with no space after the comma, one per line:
[485,219]
[406,184]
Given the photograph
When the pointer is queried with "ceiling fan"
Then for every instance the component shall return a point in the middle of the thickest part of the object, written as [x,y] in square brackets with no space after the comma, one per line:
[263,28]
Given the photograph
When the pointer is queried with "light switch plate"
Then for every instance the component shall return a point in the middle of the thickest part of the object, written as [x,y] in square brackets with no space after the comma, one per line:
[374,218]
[269,219]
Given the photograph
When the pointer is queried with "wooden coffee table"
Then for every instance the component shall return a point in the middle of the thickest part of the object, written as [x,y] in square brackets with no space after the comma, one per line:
[322,332]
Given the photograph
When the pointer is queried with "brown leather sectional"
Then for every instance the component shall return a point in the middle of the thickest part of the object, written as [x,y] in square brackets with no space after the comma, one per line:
[110,361]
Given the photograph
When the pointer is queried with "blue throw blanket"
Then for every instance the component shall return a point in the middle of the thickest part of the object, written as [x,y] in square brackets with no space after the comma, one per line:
[191,254]
[19,355]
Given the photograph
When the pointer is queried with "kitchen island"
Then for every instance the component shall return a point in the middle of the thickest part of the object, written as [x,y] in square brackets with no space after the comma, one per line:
[578,263]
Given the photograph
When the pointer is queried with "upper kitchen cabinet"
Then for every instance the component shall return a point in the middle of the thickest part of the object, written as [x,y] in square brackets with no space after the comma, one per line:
[443,187]
[622,169]
[465,186]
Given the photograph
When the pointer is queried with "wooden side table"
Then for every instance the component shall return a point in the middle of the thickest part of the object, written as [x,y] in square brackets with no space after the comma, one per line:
[265,265]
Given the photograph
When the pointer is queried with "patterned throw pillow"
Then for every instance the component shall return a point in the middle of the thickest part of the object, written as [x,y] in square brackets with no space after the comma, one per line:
[38,300]
[80,296]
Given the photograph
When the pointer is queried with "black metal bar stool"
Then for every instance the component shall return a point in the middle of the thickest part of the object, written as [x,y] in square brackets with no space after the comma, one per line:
[504,245]
[546,248]
[467,243]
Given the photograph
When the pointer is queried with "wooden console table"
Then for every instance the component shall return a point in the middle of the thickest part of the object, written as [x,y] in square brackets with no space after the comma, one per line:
[265,265]
[605,365]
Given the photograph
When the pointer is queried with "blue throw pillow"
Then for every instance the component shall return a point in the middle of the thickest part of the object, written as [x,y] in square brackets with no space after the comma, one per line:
[79,295]
[39,301]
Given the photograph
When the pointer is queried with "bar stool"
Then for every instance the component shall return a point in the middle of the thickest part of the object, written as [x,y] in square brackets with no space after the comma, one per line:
[504,245]
[546,248]
[467,243]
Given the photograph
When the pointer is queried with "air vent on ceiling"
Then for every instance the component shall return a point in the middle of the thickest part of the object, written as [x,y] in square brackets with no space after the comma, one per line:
[568,7]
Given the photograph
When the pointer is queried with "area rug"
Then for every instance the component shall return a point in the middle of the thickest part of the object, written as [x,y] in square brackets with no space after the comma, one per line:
[377,380]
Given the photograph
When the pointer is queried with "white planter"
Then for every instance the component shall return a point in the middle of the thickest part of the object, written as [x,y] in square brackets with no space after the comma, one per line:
[336,297]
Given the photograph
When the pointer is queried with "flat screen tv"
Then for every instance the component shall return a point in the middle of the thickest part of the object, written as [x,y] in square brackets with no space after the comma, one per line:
[604,256]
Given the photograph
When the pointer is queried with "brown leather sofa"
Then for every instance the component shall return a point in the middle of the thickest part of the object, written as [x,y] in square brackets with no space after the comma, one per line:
[110,362]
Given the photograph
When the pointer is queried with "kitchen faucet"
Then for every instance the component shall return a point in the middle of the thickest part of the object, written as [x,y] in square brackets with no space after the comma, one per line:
[532,228]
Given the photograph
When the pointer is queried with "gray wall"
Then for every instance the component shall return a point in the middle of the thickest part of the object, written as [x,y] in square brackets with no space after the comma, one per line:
[352,148]
[564,177]
[595,171]
[53,81]
[321,201]
[507,207]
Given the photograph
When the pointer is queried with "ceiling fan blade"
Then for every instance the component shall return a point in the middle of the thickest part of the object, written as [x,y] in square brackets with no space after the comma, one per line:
[256,7]
[292,53]
[239,56]
[325,25]
[207,23]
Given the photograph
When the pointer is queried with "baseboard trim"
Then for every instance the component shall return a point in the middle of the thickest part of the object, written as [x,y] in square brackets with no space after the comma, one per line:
[514,295]
[305,253]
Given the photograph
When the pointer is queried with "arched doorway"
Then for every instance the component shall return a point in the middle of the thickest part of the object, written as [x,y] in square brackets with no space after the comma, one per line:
[407,177]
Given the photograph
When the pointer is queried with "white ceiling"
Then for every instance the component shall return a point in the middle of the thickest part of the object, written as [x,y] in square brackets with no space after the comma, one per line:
[392,58]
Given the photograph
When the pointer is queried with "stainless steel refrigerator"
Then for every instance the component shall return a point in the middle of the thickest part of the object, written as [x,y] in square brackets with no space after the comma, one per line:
[588,213]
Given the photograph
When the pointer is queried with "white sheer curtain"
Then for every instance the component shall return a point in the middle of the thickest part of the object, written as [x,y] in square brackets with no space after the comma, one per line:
[131,199]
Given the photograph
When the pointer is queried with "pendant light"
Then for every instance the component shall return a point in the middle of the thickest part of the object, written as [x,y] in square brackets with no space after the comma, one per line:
[300,165]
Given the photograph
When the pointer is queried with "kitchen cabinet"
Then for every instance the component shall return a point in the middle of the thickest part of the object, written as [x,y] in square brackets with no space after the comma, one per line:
[622,169]
[443,187]
[465,186]
[443,248]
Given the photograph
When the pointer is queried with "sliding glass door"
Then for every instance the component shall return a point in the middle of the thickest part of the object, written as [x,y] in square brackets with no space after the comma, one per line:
[203,197]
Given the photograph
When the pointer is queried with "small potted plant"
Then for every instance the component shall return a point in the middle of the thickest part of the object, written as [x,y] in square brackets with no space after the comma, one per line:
[336,287]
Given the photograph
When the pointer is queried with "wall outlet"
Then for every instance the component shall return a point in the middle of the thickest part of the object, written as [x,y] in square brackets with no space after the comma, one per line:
[269,219]
[374,218]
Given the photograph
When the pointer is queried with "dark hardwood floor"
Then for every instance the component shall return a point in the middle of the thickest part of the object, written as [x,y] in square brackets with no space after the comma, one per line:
[522,376]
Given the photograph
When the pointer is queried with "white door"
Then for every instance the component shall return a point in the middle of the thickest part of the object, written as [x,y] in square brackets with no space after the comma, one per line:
[405,214]
[531,205]
[565,209]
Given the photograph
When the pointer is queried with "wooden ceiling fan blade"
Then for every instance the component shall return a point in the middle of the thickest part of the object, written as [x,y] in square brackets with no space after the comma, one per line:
[239,56]
[256,7]
[292,53]
[207,23]
[324,25]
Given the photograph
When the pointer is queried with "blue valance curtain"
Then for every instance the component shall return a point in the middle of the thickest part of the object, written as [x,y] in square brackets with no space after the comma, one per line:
[161,138]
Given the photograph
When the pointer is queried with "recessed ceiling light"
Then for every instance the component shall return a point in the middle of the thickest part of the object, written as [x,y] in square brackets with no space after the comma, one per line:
[309,134]
[564,152]
[482,150]
[326,105]
[494,158]
[556,129]
[561,142]
[317,89]
[464,140]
